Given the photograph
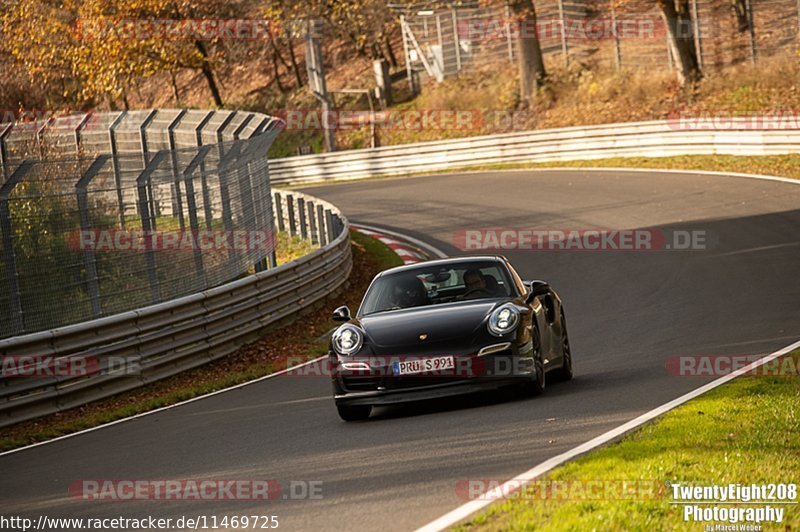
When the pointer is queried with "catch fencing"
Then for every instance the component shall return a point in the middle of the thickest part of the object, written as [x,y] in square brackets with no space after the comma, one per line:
[103,213]
[602,34]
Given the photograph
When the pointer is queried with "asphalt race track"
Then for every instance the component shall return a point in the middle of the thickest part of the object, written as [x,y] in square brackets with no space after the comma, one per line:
[628,312]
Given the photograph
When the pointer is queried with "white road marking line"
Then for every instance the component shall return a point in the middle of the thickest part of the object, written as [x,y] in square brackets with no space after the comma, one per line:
[496,494]
[142,414]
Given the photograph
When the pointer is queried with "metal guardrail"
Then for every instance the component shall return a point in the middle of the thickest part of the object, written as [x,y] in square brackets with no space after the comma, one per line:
[661,138]
[134,348]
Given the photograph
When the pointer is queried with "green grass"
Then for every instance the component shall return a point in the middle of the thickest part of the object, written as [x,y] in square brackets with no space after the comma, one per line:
[746,431]
[382,254]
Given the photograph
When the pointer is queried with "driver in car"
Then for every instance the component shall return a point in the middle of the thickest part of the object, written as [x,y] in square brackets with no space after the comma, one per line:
[409,292]
[475,285]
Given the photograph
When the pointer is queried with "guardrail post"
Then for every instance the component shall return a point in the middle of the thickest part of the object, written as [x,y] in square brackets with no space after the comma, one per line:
[10,259]
[191,205]
[144,185]
[89,259]
[177,203]
[290,209]
[323,236]
[112,143]
[279,212]
[331,228]
[312,221]
[301,213]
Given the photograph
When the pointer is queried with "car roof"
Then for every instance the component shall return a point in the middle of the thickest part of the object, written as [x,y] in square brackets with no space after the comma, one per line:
[444,262]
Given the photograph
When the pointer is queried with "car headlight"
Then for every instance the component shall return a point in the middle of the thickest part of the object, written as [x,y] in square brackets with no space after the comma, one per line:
[503,320]
[347,340]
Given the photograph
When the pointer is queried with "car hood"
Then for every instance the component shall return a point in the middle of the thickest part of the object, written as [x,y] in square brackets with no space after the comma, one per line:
[441,323]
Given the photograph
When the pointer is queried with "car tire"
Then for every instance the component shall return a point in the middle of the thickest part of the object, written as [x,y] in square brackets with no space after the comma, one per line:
[354,413]
[565,373]
[535,386]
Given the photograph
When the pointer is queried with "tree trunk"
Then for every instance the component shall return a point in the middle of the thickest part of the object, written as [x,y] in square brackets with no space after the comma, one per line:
[277,71]
[392,58]
[677,17]
[209,73]
[175,92]
[740,9]
[532,73]
[293,59]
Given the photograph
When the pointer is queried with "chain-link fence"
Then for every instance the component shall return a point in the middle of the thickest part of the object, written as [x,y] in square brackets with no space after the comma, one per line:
[442,41]
[103,213]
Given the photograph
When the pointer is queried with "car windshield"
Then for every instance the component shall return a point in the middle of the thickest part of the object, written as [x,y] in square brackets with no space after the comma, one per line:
[434,285]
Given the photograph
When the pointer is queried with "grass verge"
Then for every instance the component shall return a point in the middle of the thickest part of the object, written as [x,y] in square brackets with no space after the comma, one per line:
[262,357]
[744,432]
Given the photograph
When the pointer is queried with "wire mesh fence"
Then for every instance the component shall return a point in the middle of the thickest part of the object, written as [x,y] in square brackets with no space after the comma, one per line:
[110,212]
[443,41]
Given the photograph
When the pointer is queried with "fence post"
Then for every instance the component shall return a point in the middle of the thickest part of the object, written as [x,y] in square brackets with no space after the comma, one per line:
[798,21]
[698,43]
[669,53]
[748,4]
[509,40]
[177,203]
[12,278]
[564,45]
[143,186]
[615,33]
[39,134]
[207,207]
[77,132]
[225,198]
[457,40]
[191,205]
[155,208]
[112,143]
[89,259]
[4,153]
[439,39]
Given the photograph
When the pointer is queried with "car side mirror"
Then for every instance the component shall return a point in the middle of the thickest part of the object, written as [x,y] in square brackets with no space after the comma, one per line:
[341,314]
[536,289]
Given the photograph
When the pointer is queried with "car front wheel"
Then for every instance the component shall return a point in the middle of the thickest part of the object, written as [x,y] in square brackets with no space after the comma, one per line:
[535,386]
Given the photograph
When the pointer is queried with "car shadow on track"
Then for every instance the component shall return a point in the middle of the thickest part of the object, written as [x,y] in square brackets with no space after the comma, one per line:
[509,394]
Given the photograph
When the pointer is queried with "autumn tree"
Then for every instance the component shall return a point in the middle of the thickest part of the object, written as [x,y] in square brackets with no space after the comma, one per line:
[532,74]
[677,17]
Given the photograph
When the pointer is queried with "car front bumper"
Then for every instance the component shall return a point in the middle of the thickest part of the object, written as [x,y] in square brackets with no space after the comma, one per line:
[381,386]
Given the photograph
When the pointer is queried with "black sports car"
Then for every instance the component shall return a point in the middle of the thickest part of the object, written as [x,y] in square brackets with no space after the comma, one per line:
[446,327]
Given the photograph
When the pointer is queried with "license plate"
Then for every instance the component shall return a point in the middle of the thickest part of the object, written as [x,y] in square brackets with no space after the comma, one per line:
[422,365]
